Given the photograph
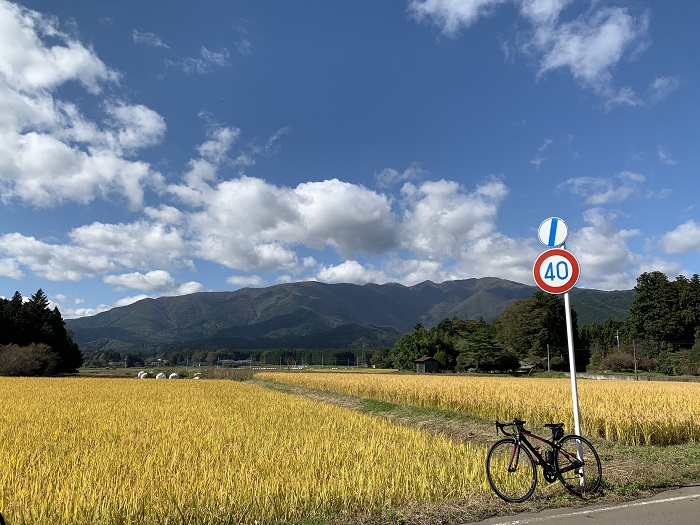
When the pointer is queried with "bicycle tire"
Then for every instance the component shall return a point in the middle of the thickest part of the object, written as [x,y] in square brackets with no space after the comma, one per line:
[579,481]
[513,486]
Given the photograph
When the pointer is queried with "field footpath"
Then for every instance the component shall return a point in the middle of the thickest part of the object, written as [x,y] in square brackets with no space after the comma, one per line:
[629,472]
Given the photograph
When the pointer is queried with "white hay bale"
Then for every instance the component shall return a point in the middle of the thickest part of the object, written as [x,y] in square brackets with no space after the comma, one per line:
[174,376]
[161,375]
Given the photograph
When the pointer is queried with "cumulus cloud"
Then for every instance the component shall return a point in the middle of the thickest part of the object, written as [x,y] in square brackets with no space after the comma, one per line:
[31,65]
[154,281]
[606,260]
[251,281]
[133,245]
[10,268]
[351,272]
[452,15]
[683,239]
[54,262]
[498,255]
[414,271]
[440,216]
[50,153]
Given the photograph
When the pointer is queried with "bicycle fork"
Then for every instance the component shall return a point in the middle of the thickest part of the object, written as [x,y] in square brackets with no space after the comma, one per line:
[514,457]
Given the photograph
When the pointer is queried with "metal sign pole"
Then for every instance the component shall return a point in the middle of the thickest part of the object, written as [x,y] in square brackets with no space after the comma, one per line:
[572,364]
[572,361]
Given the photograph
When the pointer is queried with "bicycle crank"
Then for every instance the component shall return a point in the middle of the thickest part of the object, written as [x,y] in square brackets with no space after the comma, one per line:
[550,475]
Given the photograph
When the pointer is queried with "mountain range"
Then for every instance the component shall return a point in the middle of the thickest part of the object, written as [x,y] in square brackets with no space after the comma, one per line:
[315,315]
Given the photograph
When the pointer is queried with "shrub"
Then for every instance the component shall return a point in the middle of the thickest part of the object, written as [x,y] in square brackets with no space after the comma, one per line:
[32,360]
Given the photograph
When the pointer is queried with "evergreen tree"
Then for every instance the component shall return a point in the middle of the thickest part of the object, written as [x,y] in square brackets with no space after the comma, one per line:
[654,311]
[33,323]
[527,326]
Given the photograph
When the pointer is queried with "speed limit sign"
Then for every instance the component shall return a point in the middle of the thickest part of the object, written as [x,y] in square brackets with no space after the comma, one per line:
[556,271]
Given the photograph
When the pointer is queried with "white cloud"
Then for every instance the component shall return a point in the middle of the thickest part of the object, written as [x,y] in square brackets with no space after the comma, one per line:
[662,87]
[245,47]
[153,280]
[218,144]
[148,39]
[50,153]
[452,15]
[543,12]
[126,301]
[415,271]
[54,262]
[539,157]
[440,216]
[133,245]
[242,281]
[599,191]
[496,255]
[351,272]
[72,313]
[606,260]
[590,45]
[134,127]
[30,65]
[665,158]
[158,281]
[10,268]
[349,217]
[205,63]
[390,176]
[683,239]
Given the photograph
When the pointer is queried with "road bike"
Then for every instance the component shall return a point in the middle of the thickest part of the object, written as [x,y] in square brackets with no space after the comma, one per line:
[511,464]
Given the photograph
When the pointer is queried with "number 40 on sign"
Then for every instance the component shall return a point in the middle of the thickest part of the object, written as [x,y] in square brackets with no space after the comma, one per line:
[556,271]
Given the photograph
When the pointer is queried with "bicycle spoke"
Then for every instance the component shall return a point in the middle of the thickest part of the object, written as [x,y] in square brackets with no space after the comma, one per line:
[511,471]
[578,466]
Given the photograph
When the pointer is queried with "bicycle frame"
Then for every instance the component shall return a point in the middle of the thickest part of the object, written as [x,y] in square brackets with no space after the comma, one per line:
[521,437]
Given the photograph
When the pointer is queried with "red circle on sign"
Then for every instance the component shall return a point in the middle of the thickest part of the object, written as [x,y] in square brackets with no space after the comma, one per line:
[544,258]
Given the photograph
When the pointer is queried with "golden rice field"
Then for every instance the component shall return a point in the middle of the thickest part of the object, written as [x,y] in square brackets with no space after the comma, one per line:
[629,412]
[126,451]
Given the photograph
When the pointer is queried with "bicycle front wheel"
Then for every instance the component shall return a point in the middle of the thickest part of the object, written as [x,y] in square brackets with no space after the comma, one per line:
[511,471]
[578,465]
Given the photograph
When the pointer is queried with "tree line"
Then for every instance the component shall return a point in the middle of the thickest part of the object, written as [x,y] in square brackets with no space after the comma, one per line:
[285,357]
[34,339]
[660,334]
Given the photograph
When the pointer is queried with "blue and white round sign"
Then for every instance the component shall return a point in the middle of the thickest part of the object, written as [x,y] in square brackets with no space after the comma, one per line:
[553,232]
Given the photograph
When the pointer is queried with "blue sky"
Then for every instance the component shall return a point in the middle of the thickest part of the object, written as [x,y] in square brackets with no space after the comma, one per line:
[162,148]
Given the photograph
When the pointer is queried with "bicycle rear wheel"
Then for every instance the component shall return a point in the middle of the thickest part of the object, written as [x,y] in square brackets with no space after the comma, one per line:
[578,465]
[511,471]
